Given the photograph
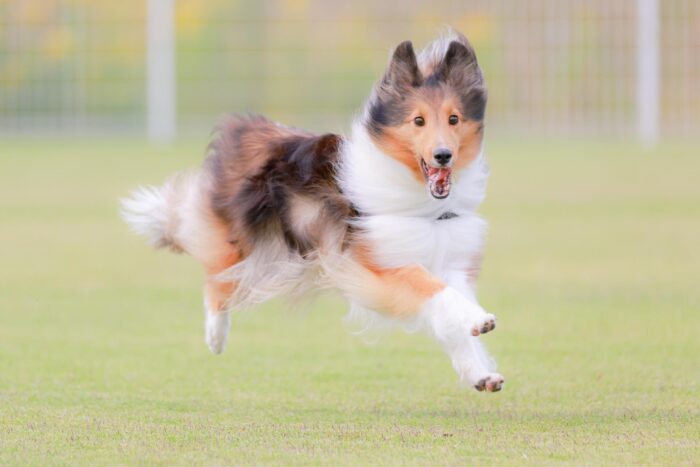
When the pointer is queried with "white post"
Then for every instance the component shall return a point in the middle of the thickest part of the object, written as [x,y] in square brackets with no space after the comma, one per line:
[160,57]
[648,71]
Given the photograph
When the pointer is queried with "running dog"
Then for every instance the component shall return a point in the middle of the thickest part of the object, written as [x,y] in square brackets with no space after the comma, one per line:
[386,215]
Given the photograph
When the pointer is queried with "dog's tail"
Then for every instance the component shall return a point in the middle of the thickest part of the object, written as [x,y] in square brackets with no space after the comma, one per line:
[156,212]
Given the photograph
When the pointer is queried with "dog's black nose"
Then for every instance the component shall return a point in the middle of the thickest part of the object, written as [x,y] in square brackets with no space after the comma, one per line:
[442,156]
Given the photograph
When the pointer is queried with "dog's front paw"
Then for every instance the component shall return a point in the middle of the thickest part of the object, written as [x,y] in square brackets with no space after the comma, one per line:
[492,382]
[484,324]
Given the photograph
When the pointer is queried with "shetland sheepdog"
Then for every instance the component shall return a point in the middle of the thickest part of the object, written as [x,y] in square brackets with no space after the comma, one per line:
[385,215]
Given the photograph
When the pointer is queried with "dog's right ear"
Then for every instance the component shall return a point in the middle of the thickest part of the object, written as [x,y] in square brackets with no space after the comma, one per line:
[402,73]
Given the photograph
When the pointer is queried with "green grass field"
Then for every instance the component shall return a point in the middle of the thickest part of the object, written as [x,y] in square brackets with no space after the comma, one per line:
[592,267]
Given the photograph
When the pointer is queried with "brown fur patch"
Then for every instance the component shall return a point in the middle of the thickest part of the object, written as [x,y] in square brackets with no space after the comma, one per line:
[398,292]
[260,173]
[240,150]
[221,256]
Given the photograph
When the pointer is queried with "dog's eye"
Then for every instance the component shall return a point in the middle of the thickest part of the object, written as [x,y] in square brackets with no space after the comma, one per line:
[419,121]
[453,120]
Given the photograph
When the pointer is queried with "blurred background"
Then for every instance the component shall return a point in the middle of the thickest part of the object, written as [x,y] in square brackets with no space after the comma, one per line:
[591,263]
[169,68]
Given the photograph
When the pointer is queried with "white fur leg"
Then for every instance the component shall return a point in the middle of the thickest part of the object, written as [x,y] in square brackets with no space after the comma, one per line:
[483,322]
[474,366]
[452,327]
[216,327]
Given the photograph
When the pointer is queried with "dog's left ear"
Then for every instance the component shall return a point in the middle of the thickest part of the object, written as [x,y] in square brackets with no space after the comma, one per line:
[459,68]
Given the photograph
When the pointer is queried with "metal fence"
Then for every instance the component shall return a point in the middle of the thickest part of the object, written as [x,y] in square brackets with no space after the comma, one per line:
[564,67]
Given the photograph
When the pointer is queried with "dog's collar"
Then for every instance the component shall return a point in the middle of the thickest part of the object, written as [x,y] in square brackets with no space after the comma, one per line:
[446,215]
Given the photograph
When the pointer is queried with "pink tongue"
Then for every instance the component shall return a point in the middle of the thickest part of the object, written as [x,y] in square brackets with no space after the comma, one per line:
[439,180]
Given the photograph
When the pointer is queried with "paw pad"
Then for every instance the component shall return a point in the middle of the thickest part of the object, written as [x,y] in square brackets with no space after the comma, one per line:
[484,326]
[492,383]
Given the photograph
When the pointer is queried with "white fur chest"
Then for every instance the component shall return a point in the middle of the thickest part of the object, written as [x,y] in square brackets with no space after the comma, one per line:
[399,217]
[439,245]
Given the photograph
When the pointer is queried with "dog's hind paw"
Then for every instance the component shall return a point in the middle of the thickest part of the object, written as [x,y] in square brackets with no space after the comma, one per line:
[492,382]
[484,325]
[216,326]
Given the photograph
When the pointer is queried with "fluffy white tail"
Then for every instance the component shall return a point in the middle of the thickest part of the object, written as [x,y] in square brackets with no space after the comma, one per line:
[152,212]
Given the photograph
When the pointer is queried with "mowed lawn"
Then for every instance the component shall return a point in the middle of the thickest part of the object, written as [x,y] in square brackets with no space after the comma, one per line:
[592,267]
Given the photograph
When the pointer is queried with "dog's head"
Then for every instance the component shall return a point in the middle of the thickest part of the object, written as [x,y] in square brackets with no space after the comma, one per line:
[428,112]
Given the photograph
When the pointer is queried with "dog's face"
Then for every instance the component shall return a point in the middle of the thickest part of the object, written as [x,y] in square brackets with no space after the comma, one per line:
[430,120]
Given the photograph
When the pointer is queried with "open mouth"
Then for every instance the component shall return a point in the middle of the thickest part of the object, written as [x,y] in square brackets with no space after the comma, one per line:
[438,179]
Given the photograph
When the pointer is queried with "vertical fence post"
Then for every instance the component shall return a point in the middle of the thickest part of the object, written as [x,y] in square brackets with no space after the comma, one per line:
[160,57]
[648,71]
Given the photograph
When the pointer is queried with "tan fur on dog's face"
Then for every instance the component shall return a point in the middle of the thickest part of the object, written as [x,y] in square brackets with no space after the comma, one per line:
[409,143]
